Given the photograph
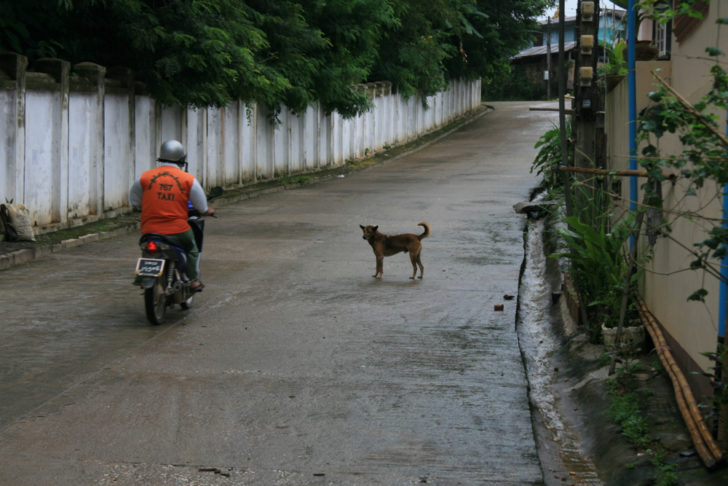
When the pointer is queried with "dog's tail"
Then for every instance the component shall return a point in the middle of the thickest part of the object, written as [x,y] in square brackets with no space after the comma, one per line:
[427,230]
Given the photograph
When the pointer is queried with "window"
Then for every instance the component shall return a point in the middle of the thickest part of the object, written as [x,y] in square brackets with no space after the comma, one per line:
[662,40]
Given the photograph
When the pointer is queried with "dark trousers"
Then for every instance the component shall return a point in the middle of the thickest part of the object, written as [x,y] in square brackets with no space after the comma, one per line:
[186,241]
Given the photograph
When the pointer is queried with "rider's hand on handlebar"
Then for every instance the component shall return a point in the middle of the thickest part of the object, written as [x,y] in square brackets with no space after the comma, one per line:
[211,212]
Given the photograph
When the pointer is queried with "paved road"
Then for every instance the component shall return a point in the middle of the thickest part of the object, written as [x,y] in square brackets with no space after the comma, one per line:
[295,366]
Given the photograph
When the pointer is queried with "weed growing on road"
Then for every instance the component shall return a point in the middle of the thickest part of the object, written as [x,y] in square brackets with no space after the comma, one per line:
[625,409]
[294,180]
[626,412]
[666,474]
[717,408]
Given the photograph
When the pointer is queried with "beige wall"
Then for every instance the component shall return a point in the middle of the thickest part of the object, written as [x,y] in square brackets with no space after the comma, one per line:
[666,286]
[617,112]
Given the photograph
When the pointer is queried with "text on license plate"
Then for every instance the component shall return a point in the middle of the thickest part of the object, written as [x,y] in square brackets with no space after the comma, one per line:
[150,267]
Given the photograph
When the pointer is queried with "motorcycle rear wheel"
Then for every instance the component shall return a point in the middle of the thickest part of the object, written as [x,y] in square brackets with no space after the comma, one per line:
[155,303]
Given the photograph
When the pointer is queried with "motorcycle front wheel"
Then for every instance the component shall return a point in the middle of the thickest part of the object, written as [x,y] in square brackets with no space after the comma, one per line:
[155,302]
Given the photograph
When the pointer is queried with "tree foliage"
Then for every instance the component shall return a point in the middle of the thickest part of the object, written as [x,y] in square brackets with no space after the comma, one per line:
[277,52]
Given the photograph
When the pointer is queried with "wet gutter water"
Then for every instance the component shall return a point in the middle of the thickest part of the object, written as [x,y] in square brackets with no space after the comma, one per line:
[562,458]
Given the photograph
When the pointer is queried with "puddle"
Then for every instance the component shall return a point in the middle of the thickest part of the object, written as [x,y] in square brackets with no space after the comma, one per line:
[563,461]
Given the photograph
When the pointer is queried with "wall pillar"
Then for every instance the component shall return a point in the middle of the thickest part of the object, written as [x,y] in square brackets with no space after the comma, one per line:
[12,159]
[60,71]
[93,76]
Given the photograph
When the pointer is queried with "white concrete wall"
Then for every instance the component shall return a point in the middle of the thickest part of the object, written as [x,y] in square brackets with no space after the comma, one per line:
[72,145]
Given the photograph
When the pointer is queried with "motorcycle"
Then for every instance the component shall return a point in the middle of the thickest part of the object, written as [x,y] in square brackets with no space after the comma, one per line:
[160,271]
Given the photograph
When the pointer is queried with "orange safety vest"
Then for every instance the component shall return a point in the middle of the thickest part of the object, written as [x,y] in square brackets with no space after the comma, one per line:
[166,190]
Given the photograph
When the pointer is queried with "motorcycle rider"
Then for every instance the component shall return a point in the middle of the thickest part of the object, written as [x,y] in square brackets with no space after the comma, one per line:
[163,194]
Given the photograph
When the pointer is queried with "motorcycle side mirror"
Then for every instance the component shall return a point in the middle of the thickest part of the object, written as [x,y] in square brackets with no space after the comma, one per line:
[215,192]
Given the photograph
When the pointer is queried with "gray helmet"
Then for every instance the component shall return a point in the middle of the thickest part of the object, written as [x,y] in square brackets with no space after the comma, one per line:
[172,151]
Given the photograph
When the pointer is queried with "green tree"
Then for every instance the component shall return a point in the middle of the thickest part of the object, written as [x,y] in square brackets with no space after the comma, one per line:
[490,36]
[276,52]
[353,30]
[198,52]
[413,51]
[441,40]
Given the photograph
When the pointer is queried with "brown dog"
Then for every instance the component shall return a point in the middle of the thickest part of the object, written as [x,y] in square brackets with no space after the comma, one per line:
[384,245]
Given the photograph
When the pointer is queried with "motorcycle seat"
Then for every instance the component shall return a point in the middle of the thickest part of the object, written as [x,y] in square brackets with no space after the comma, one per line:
[155,237]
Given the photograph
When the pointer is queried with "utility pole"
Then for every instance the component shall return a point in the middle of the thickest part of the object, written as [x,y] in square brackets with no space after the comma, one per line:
[562,110]
[586,92]
[548,59]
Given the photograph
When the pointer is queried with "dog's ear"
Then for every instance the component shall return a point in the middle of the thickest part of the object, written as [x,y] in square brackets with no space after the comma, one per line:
[375,228]
[362,227]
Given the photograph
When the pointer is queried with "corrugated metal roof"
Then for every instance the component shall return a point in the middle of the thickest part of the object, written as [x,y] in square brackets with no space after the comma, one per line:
[555,20]
[572,18]
[541,50]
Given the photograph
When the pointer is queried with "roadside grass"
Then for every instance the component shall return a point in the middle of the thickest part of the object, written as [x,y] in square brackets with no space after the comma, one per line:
[100,226]
[626,410]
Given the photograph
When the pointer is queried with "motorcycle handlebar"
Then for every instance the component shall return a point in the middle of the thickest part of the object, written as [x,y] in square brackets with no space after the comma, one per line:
[198,214]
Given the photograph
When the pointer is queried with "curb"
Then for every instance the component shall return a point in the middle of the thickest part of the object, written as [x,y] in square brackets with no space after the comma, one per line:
[27,255]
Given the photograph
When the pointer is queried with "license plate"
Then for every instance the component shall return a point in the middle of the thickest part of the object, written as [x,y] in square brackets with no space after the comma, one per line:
[150,267]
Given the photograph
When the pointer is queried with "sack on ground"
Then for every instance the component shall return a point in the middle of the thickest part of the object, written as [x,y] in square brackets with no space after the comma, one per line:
[8,230]
[17,222]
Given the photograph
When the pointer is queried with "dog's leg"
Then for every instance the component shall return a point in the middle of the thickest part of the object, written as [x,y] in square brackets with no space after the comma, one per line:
[414,257]
[380,267]
[422,268]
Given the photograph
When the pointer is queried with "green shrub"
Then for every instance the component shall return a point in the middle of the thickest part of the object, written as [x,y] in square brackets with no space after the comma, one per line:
[598,267]
[547,161]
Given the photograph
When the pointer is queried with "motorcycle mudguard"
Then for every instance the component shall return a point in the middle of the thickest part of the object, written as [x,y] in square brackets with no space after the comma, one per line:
[175,252]
[147,282]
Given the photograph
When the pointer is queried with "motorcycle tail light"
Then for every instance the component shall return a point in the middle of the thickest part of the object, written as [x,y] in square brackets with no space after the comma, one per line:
[152,246]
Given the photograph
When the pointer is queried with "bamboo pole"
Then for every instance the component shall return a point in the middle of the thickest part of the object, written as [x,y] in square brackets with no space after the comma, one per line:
[706,446]
[721,373]
[688,106]
[621,173]
[536,108]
